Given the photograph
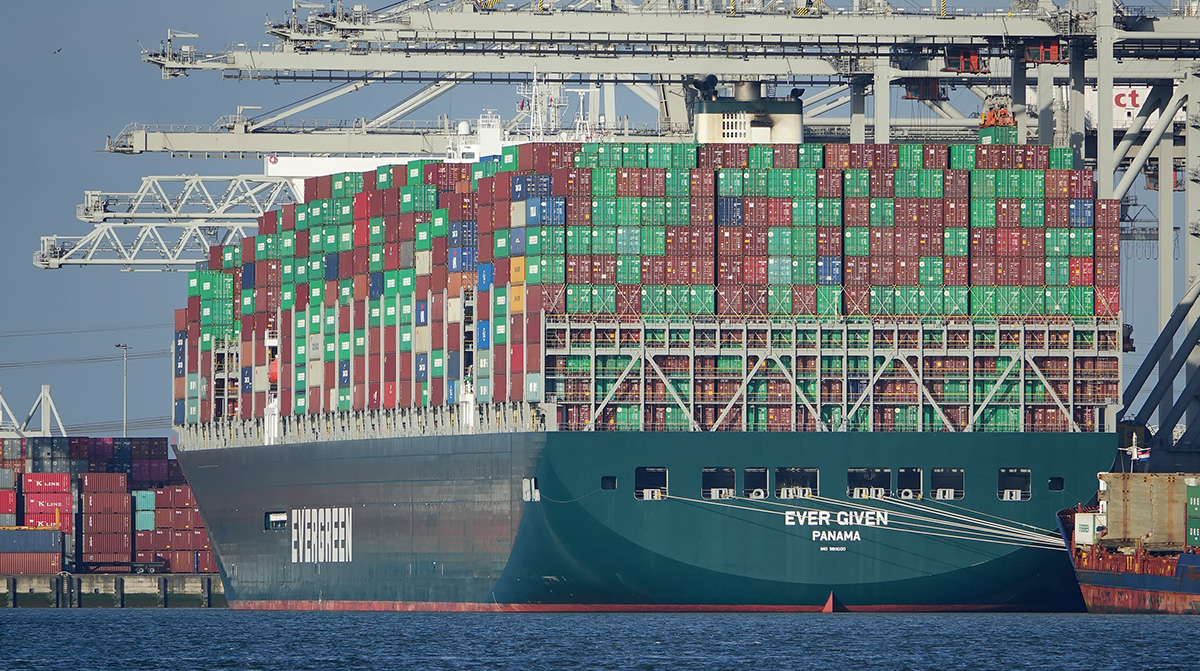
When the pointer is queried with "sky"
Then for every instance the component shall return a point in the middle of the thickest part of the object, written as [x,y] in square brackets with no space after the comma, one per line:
[74,77]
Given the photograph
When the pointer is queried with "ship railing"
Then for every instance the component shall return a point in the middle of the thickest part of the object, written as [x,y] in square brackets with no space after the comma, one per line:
[514,417]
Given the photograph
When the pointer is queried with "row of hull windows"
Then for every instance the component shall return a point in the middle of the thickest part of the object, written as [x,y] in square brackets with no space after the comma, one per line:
[793,482]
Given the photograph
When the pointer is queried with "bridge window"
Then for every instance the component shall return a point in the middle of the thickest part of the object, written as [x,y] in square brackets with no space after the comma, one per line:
[1056,484]
[946,484]
[650,483]
[908,483]
[277,521]
[717,482]
[754,483]
[793,482]
[1013,484]
[868,483]
[608,482]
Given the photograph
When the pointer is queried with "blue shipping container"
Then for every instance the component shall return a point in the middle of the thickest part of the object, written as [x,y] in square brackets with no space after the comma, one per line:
[1083,213]
[180,411]
[486,272]
[247,379]
[516,242]
[422,366]
[343,373]
[30,540]
[181,341]
[180,365]
[376,285]
[483,334]
[453,364]
[422,313]
[829,270]
[729,211]
[452,393]
[247,276]
[331,267]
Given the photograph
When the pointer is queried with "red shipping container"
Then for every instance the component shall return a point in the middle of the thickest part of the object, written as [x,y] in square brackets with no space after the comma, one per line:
[730,300]
[1008,271]
[1108,302]
[8,502]
[48,503]
[206,562]
[1107,271]
[907,212]
[956,212]
[106,503]
[856,271]
[883,270]
[908,270]
[51,520]
[754,269]
[829,182]
[180,561]
[1008,241]
[701,211]
[956,271]
[908,241]
[829,241]
[164,518]
[856,212]
[729,271]
[654,271]
[144,540]
[1108,242]
[883,241]
[1008,212]
[106,523]
[804,299]
[46,483]
[857,300]
[181,519]
[1082,272]
[108,543]
[181,539]
[756,212]
[882,183]
[730,241]
[30,563]
[1033,271]
[629,302]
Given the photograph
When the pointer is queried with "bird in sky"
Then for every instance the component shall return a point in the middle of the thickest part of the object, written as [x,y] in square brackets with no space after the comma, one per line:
[57,50]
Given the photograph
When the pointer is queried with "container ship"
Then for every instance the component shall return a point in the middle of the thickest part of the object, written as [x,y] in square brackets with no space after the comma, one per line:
[1138,551]
[746,373]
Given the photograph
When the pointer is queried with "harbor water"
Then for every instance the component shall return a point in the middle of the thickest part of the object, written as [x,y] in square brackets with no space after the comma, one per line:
[103,640]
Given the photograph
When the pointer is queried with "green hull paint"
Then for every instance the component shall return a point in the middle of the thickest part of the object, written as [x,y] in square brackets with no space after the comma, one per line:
[440,522]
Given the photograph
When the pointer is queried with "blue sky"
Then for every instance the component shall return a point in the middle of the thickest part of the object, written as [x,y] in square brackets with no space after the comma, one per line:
[58,108]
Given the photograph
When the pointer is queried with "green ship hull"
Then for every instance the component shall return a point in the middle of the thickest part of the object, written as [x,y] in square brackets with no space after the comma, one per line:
[558,521]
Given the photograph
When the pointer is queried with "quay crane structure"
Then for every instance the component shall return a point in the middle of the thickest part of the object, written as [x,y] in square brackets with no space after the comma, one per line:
[844,52]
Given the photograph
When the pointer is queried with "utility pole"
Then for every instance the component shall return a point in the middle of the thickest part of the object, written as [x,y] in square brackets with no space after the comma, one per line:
[124,389]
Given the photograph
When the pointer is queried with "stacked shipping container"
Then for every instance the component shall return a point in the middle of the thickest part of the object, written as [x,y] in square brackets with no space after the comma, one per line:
[418,274]
[89,508]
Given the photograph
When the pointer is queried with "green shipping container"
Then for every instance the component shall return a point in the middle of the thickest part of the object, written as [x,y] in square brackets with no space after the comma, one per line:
[983,213]
[579,299]
[804,242]
[931,271]
[956,241]
[629,269]
[143,500]
[1083,241]
[143,520]
[730,183]
[1193,502]
[1083,301]
[604,240]
[804,270]
[857,241]
[856,183]
[956,300]
[883,300]
[678,299]
[654,301]
[703,299]
[762,157]
[883,212]
[779,241]
[962,157]
[829,300]
[829,212]
[1058,243]
[804,211]
[912,156]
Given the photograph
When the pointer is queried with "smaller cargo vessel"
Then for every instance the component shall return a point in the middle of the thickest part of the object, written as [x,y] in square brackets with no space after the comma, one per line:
[1138,549]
